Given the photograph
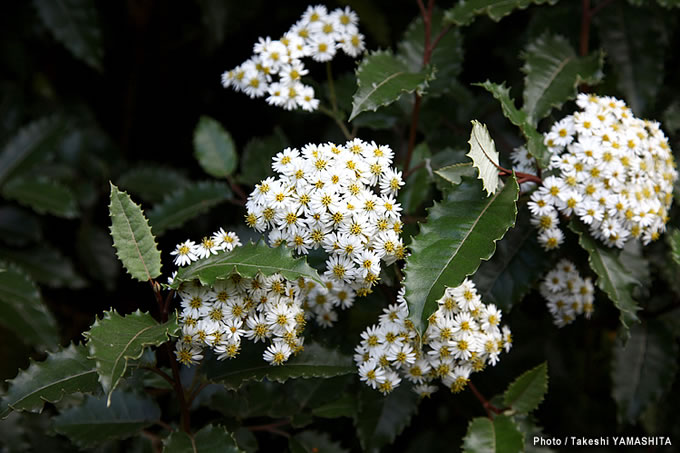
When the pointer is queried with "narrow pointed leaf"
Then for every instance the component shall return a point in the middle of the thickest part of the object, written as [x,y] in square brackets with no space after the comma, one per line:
[63,372]
[75,24]
[42,195]
[47,266]
[460,232]
[612,276]
[499,435]
[214,148]
[465,12]
[210,439]
[247,260]
[151,184]
[484,156]
[382,79]
[113,340]
[643,368]
[184,204]
[135,244]
[526,392]
[553,71]
[95,422]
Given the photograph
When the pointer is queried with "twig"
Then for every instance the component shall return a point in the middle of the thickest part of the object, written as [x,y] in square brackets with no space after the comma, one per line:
[159,372]
[271,428]
[325,110]
[185,419]
[242,197]
[413,170]
[587,15]
[488,407]
[334,103]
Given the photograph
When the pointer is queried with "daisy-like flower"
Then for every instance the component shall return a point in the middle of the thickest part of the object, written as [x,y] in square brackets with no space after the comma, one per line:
[567,294]
[185,253]
[277,353]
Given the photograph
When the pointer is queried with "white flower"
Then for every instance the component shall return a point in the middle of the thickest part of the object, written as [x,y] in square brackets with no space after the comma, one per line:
[277,353]
[185,253]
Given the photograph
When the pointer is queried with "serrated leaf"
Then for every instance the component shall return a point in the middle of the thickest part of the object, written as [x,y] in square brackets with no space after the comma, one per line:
[115,339]
[553,71]
[63,372]
[526,392]
[484,157]
[459,234]
[135,244]
[382,418]
[75,24]
[29,146]
[247,260]
[345,406]
[673,238]
[314,361]
[22,310]
[499,435]
[151,183]
[314,442]
[43,196]
[520,119]
[95,422]
[452,175]
[214,148]
[186,203]
[612,276]
[18,227]
[46,265]
[210,439]
[643,369]
[465,12]
[257,156]
[382,79]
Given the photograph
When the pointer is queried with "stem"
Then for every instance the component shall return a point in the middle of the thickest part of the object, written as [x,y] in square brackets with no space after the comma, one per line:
[159,372]
[237,189]
[334,113]
[488,407]
[412,133]
[166,306]
[185,420]
[271,428]
[341,125]
[585,27]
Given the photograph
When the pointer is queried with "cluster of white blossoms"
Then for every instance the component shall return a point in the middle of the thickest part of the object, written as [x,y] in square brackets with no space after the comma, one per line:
[463,336]
[613,171]
[567,294]
[276,68]
[341,198]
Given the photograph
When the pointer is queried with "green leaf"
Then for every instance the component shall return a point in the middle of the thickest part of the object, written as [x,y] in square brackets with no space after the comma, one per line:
[553,71]
[452,175]
[612,277]
[465,12]
[345,406]
[382,418]
[247,260]
[96,252]
[151,183]
[519,118]
[75,23]
[484,157]
[47,266]
[186,203]
[526,392]
[214,148]
[18,227]
[673,238]
[257,156]
[382,79]
[96,422]
[460,232]
[643,369]
[135,244]
[314,442]
[22,310]
[43,196]
[314,361]
[210,439]
[115,339]
[417,188]
[64,372]
[29,146]
[499,435]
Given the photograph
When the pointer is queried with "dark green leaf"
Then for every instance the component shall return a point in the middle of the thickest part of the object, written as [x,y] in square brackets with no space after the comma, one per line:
[18,227]
[345,406]
[210,439]
[643,369]
[63,372]
[95,249]
[96,422]
[22,310]
[75,24]
[417,187]
[214,148]
[247,260]
[46,265]
[43,196]
[459,234]
[151,184]
[465,12]
[314,442]
[135,244]
[382,79]
[673,237]
[257,156]
[115,339]
[526,392]
[186,203]
[499,435]
[553,71]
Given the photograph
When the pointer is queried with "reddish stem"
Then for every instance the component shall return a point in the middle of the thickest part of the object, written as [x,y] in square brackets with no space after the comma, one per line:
[488,407]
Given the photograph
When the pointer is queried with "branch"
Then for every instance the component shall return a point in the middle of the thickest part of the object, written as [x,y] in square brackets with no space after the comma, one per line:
[488,407]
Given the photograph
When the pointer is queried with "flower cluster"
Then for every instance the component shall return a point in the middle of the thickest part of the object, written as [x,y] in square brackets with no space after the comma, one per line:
[463,336]
[338,198]
[189,251]
[567,294]
[276,68]
[613,171]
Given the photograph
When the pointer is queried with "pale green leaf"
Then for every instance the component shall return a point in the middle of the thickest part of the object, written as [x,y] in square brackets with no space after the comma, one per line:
[63,372]
[460,233]
[47,266]
[150,183]
[382,79]
[113,340]
[452,175]
[465,12]
[499,435]
[214,148]
[135,244]
[526,392]
[186,203]
[95,422]
[484,157]
[42,195]
[553,72]
[210,439]
[75,23]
